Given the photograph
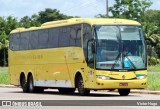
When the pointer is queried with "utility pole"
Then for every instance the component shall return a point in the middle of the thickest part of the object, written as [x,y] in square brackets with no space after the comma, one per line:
[106,8]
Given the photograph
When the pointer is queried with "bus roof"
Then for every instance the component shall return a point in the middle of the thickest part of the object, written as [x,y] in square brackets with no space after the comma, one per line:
[91,21]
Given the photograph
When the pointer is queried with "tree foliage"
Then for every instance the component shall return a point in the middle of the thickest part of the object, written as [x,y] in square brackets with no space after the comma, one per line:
[130,9]
[151,28]
[3,40]
[27,21]
[152,16]
[51,15]
[3,45]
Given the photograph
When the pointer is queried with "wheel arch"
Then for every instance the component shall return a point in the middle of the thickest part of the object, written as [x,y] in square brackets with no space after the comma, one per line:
[29,74]
[21,77]
[76,77]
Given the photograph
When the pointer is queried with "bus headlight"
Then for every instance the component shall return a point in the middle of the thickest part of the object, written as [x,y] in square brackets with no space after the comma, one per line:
[141,76]
[103,77]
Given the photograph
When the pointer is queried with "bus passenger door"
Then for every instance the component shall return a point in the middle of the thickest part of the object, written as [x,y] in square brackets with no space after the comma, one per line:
[90,62]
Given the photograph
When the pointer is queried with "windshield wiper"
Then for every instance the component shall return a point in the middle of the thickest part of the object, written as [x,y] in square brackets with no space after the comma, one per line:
[125,57]
[115,62]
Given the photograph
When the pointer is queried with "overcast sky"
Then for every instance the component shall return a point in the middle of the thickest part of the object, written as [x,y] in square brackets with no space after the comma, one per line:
[82,8]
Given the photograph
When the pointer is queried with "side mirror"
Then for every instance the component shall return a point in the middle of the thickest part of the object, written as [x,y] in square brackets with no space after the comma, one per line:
[93,48]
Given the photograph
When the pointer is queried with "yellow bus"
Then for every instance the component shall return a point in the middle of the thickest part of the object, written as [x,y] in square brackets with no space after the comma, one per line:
[83,53]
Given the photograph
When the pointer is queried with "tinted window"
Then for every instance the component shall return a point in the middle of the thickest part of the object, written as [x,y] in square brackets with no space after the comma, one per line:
[72,36]
[33,40]
[24,40]
[47,38]
[78,40]
[87,35]
[64,37]
[75,35]
[53,38]
[14,41]
[43,38]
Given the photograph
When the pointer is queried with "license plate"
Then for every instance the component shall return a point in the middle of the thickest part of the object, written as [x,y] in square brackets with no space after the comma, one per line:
[123,84]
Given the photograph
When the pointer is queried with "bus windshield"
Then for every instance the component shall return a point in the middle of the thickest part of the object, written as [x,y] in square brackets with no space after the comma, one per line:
[120,47]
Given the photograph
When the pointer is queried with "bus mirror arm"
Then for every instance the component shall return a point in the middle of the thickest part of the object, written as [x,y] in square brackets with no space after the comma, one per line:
[93,48]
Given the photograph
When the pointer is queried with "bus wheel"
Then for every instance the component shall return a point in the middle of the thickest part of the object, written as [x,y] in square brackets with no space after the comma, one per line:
[124,92]
[23,83]
[80,85]
[31,84]
[66,90]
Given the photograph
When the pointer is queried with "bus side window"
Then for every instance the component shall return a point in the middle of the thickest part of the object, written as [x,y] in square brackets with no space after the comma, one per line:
[64,37]
[90,55]
[43,38]
[53,38]
[33,40]
[87,35]
[78,36]
[24,41]
[72,36]
[75,35]
[15,41]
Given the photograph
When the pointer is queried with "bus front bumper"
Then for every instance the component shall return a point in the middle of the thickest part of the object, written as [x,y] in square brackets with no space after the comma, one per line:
[120,84]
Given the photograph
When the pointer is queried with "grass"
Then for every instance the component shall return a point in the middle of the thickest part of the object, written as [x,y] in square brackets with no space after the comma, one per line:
[155,68]
[153,80]
[4,75]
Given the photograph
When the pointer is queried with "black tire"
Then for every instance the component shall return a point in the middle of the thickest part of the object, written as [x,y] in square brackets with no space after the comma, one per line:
[31,86]
[80,85]
[66,90]
[124,92]
[24,84]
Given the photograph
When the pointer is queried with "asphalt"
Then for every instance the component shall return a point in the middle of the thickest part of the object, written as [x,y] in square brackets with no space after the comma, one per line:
[142,91]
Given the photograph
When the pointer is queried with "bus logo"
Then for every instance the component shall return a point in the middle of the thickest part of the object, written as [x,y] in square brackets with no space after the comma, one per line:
[123,77]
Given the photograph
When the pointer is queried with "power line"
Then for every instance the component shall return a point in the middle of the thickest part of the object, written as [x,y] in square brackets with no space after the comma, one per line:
[87,4]
[77,6]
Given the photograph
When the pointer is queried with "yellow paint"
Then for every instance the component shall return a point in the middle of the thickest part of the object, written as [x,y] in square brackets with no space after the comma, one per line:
[64,63]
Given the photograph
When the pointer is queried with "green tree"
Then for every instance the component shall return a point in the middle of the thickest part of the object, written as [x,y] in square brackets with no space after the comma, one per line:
[130,9]
[51,15]
[3,45]
[10,24]
[101,16]
[35,21]
[149,29]
[27,21]
[152,16]
[2,24]
[7,24]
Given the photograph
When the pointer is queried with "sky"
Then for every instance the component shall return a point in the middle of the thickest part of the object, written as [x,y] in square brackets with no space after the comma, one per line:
[82,8]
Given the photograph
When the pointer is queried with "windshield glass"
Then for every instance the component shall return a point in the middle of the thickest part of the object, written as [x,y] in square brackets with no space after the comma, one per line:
[120,47]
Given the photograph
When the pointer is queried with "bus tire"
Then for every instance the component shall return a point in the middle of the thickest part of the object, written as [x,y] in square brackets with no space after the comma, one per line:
[23,83]
[31,86]
[66,90]
[80,85]
[124,92]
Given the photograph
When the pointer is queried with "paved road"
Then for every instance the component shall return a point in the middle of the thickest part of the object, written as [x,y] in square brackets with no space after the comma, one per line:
[50,94]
